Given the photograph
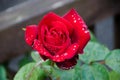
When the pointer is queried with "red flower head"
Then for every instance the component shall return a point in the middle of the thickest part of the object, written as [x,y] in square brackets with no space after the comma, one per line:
[59,39]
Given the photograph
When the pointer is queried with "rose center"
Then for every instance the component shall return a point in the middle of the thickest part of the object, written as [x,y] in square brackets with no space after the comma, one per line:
[55,37]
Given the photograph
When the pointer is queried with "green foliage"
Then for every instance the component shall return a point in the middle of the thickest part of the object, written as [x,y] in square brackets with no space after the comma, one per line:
[94,52]
[113,60]
[2,73]
[35,55]
[94,72]
[58,74]
[31,72]
[72,74]
[114,75]
[93,38]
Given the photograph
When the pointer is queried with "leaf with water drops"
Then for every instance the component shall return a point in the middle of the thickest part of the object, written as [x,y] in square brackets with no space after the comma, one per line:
[113,60]
[94,72]
[94,52]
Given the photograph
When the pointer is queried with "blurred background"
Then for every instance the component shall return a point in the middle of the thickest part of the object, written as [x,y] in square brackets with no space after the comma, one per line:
[101,16]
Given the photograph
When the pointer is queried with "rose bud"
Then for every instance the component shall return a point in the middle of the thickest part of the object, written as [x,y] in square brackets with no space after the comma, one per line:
[59,39]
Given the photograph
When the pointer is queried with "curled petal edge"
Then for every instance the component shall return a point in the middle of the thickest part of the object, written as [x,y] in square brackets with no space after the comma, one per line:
[31,34]
[80,27]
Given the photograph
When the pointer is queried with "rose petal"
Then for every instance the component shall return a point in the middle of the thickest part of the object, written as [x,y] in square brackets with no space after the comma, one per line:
[81,32]
[70,53]
[49,47]
[31,34]
[61,33]
[51,17]
[39,47]
[58,58]
[53,48]
[59,26]
[56,49]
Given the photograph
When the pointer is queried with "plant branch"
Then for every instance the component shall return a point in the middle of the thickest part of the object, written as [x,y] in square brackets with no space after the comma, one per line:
[102,62]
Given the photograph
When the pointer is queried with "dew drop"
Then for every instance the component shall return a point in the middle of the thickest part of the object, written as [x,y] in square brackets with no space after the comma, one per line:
[75,46]
[73,49]
[74,21]
[57,56]
[65,54]
[78,18]
[83,29]
[86,31]
[27,39]
[44,53]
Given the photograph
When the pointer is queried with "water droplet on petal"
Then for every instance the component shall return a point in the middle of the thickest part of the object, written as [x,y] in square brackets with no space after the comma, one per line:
[65,54]
[27,39]
[57,56]
[86,31]
[75,21]
[75,46]
[44,53]
[73,49]
[78,18]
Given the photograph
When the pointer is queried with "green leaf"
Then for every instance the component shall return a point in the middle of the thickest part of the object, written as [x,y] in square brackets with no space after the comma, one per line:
[35,55]
[36,74]
[113,60]
[71,74]
[77,73]
[58,74]
[93,38]
[114,75]
[86,73]
[2,73]
[94,52]
[94,72]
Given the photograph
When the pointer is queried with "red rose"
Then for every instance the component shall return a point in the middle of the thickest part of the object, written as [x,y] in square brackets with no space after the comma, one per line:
[59,38]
